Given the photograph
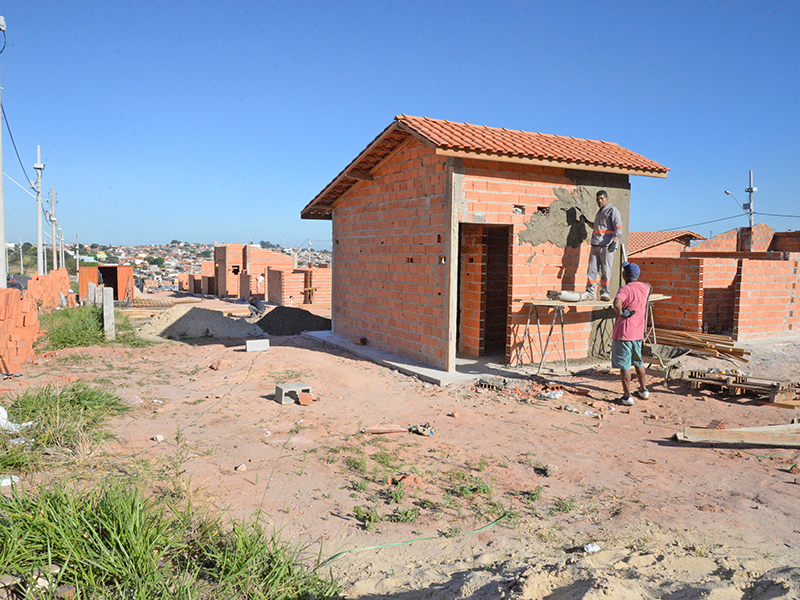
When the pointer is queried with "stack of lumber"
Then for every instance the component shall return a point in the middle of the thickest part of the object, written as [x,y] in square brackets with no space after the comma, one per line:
[705,344]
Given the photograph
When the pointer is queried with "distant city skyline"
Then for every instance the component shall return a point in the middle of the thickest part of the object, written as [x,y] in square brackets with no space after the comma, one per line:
[207,121]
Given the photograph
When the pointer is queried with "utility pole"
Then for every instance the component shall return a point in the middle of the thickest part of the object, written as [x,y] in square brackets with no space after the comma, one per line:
[52,220]
[4,265]
[749,206]
[61,248]
[39,250]
[78,257]
[21,266]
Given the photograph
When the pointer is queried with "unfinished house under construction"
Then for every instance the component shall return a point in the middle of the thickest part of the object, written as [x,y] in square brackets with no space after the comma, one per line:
[441,230]
[246,271]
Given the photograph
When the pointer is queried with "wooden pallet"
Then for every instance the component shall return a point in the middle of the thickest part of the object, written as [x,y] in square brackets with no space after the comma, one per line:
[736,384]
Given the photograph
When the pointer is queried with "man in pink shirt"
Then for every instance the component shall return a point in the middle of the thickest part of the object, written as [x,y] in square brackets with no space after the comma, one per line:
[630,304]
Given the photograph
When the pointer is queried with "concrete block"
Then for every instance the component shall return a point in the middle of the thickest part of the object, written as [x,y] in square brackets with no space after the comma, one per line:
[257,345]
[289,393]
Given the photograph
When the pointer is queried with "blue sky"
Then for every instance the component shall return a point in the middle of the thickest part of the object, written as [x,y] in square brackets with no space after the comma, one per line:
[210,121]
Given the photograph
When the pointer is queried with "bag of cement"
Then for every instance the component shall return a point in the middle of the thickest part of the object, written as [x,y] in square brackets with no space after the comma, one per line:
[565,296]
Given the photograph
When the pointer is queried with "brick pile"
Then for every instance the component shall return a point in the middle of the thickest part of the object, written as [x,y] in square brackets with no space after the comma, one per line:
[19,316]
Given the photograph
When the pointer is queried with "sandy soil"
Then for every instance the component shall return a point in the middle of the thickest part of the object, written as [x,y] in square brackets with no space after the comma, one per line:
[500,501]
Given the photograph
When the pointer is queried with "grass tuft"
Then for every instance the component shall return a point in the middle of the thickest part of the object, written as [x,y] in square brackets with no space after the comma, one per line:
[113,542]
[82,326]
[66,425]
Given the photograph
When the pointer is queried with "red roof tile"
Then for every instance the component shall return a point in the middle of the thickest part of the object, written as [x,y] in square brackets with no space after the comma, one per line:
[638,241]
[523,144]
[479,141]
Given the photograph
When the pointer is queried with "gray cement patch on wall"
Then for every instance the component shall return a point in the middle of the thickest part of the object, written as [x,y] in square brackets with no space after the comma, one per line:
[560,223]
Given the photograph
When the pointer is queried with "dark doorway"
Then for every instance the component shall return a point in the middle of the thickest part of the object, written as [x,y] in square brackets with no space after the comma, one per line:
[483,289]
[498,245]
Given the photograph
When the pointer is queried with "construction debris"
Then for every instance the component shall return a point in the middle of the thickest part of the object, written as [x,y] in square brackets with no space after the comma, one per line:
[787,436]
[704,344]
[737,384]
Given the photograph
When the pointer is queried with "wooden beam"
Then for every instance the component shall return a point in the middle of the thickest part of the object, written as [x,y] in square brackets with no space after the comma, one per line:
[787,436]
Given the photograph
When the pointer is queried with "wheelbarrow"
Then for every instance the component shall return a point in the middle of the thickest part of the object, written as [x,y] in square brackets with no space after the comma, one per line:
[666,357]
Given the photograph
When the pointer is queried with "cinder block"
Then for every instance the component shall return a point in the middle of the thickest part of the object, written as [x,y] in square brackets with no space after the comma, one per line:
[288,393]
[257,345]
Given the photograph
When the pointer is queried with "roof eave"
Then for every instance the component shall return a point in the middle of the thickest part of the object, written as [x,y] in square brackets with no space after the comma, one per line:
[544,162]
[350,172]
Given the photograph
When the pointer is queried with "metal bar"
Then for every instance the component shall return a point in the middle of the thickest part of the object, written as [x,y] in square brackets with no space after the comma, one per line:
[525,336]
[547,343]
[563,338]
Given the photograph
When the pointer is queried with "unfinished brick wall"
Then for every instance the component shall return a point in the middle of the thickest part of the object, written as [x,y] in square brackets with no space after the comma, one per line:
[183,282]
[724,242]
[719,293]
[207,268]
[257,260]
[317,285]
[514,195]
[207,285]
[757,239]
[240,271]
[671,249]
[228,264]
[683,280]
[472,275]
[388,234]
[767,298]
[285,288]
[785,241]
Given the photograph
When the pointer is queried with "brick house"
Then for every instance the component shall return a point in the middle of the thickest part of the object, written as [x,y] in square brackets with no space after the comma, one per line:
[660,243]
[442,229]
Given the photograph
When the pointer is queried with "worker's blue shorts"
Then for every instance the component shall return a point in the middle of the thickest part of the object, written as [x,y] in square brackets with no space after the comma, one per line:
[625,353]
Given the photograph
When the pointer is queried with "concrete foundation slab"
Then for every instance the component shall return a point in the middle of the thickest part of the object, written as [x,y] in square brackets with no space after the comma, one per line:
[467,369]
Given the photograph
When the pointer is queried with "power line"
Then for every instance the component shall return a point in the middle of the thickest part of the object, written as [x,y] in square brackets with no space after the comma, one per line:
[20,186]
[703,223]
[13,143]
[774,215]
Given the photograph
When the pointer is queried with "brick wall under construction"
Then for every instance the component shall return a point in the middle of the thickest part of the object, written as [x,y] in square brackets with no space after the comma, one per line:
[388,232]
[748,296]
[19,316]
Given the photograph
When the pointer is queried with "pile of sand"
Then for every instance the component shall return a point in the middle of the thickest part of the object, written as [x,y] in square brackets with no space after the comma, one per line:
[182,322]
[284,320]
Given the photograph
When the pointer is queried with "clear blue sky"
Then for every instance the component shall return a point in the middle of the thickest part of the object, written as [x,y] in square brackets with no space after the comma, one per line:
[218,121]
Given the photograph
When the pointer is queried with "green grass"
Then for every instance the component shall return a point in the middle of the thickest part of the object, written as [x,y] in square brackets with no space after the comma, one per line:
[114,542]
[66,424]
[82,326]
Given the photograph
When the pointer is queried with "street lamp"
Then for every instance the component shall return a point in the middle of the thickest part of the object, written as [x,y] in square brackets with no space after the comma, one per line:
[748,207]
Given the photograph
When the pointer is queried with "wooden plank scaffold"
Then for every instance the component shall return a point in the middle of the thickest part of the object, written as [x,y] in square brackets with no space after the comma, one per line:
[558,307]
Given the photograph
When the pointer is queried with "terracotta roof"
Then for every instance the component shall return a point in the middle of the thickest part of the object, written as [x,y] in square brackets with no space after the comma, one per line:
[639,241]
[490,143]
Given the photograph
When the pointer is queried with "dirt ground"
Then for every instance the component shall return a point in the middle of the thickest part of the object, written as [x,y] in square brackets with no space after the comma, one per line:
[500,502]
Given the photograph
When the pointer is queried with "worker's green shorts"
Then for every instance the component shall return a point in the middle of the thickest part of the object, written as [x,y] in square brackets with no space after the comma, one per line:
[625,353]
